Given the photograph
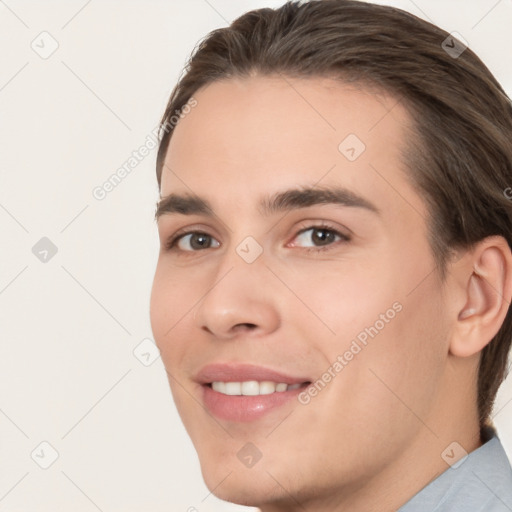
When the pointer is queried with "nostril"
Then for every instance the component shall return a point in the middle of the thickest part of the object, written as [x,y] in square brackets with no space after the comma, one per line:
[248,325]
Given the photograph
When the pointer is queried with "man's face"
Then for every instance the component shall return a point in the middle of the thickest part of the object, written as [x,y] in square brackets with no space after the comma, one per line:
[295,291]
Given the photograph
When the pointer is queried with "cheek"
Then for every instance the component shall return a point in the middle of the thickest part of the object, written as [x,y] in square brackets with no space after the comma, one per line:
[343,298]
[392,331]
[401,367]
[170,304]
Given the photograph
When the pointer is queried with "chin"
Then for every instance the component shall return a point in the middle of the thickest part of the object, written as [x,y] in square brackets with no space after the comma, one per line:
[247,491]
[251,487]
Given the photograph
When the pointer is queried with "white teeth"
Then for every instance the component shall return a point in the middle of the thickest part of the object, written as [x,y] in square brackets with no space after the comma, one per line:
[252,387]
[266,387]
[233,388]
[219,386]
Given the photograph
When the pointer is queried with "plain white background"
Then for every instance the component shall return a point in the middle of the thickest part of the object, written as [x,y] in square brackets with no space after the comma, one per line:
[69,326]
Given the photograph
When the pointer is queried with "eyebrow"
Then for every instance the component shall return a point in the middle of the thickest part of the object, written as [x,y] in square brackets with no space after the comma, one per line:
[292,199]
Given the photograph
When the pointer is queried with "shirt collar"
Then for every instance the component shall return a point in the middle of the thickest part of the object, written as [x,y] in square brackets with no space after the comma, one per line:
[484,476]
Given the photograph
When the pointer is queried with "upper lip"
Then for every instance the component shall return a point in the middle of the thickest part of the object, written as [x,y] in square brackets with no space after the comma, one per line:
[236,372]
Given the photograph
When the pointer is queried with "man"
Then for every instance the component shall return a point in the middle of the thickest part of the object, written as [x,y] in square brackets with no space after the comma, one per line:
[331,299]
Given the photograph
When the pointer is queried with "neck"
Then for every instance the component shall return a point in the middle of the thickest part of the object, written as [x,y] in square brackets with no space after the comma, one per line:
[417,465]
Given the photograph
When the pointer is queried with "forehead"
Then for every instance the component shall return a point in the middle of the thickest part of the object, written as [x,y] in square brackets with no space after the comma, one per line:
[253,136]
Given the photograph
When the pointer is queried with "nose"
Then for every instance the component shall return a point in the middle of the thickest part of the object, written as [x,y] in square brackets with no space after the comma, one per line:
[240,300]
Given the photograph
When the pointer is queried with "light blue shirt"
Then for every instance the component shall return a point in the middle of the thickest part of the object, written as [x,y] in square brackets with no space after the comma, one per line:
[481,483]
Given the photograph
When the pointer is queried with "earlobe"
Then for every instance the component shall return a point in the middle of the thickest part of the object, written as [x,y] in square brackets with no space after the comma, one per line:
[487,297]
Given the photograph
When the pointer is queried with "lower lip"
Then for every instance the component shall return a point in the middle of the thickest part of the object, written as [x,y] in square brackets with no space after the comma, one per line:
[243,408]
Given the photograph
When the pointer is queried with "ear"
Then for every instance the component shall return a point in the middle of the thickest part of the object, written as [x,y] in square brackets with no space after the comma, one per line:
[484,278]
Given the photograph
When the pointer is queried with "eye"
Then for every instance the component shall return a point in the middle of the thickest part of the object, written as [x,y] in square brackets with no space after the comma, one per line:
[196,240]
[321,237]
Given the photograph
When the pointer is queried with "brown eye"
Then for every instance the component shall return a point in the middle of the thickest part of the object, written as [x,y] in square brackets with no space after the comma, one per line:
[194,239]
[319,237]
[323,236]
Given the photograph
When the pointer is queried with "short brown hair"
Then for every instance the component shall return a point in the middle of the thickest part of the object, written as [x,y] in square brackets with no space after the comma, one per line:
[460,157]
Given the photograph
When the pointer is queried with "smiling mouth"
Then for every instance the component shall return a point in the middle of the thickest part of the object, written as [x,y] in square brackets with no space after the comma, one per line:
[249,401]
[244,392]
[254,388]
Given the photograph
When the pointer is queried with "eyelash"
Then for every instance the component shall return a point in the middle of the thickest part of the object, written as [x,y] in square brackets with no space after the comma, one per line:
[170,245]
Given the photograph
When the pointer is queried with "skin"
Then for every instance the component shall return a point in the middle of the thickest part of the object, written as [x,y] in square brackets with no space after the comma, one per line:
[373,437]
